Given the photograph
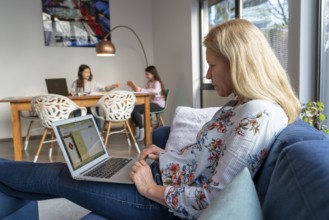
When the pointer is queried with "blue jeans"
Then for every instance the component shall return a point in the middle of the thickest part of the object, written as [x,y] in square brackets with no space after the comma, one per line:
[136,115]
[39,181]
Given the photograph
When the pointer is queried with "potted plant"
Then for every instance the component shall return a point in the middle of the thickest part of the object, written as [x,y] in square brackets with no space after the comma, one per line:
[312,114]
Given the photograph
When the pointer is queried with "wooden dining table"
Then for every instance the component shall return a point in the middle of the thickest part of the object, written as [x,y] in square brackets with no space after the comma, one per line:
[18,104]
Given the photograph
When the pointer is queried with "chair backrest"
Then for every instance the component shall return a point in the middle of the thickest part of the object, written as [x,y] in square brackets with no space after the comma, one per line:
[52,107]
[117,105]
[166,98]
[167,92]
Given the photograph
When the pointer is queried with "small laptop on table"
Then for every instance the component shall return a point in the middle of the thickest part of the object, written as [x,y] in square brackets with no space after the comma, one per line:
[57,86]
[85,153]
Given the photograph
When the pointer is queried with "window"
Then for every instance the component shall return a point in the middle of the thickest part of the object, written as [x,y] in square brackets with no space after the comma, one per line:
[324,56]
[214,12]
[270,16]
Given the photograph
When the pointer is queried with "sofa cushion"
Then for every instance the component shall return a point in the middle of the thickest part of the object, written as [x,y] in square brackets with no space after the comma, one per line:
[14,208]
[186,124]
[298,131]
[238,200]
[93,216]
[160,136]
[299,186]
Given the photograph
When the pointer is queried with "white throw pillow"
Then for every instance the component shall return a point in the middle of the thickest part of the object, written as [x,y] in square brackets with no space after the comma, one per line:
[186,124]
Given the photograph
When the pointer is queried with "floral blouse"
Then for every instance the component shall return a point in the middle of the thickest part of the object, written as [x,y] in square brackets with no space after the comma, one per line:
[236,137]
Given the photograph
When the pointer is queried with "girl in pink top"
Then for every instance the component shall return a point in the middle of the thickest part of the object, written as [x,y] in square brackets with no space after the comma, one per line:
[153,85]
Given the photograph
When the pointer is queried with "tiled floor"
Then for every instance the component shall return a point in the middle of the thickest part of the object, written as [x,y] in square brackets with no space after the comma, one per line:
[117,146]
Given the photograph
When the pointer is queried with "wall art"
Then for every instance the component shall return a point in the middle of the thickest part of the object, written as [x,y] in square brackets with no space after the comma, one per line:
[75,23]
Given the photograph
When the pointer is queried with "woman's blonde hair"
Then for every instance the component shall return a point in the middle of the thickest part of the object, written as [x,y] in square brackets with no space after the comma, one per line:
[256,71]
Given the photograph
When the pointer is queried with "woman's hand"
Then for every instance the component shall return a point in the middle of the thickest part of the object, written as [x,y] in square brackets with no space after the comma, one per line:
[132,85]
[141,175]
[152,152]
[116,85]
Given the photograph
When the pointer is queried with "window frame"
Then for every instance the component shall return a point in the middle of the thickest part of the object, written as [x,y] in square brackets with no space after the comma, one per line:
[321,79]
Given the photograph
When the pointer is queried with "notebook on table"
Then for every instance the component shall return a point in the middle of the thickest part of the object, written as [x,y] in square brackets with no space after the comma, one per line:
[57,86]
[86,155]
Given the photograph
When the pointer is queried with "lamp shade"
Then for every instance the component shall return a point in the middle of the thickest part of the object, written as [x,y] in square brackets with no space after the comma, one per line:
[105,48]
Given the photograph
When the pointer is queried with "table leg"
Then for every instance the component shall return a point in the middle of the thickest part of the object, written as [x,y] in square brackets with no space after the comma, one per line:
[17,131]
[147,120]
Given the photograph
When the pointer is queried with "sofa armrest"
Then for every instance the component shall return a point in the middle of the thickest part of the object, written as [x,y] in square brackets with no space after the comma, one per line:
[160,136]
[298,131]
[299,184]
[13,208]
[93,216]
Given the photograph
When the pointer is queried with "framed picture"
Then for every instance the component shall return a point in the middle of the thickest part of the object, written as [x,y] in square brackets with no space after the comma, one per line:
[75,23]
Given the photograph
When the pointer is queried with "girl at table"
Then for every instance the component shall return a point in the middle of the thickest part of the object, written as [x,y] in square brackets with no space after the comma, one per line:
[154,85]
[85,85]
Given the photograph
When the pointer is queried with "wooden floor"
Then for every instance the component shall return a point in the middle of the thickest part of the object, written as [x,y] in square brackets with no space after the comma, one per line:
[117,146]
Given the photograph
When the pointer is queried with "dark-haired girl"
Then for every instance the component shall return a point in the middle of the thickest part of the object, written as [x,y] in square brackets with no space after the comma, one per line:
[154,85]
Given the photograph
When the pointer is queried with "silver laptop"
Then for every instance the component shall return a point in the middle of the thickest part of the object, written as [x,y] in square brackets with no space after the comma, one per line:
[86,154]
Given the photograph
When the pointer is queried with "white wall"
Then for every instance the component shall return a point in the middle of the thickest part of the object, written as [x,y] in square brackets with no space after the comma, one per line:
[26,62]
[176,51]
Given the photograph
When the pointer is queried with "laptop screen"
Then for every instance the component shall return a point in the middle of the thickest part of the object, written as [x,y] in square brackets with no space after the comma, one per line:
[81,142]
[57,86]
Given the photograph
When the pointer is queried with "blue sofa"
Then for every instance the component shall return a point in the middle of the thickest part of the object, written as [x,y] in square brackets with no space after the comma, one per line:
[15,209]
[293,182]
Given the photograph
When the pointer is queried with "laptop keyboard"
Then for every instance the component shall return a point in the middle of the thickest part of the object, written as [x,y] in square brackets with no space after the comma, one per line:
[108,168]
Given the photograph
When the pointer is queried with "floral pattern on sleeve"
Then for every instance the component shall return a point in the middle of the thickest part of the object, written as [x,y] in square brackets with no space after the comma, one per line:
[250,124]
[175,175]
[255,160]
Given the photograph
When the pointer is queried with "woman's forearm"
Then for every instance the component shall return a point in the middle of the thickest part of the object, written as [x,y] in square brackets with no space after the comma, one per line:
[156,193]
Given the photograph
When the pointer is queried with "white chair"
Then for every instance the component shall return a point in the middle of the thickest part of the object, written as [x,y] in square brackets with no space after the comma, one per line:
[51,108]
[32,117]
[116,107]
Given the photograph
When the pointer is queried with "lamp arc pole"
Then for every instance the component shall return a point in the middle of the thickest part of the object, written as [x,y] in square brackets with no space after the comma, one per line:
[106,43]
